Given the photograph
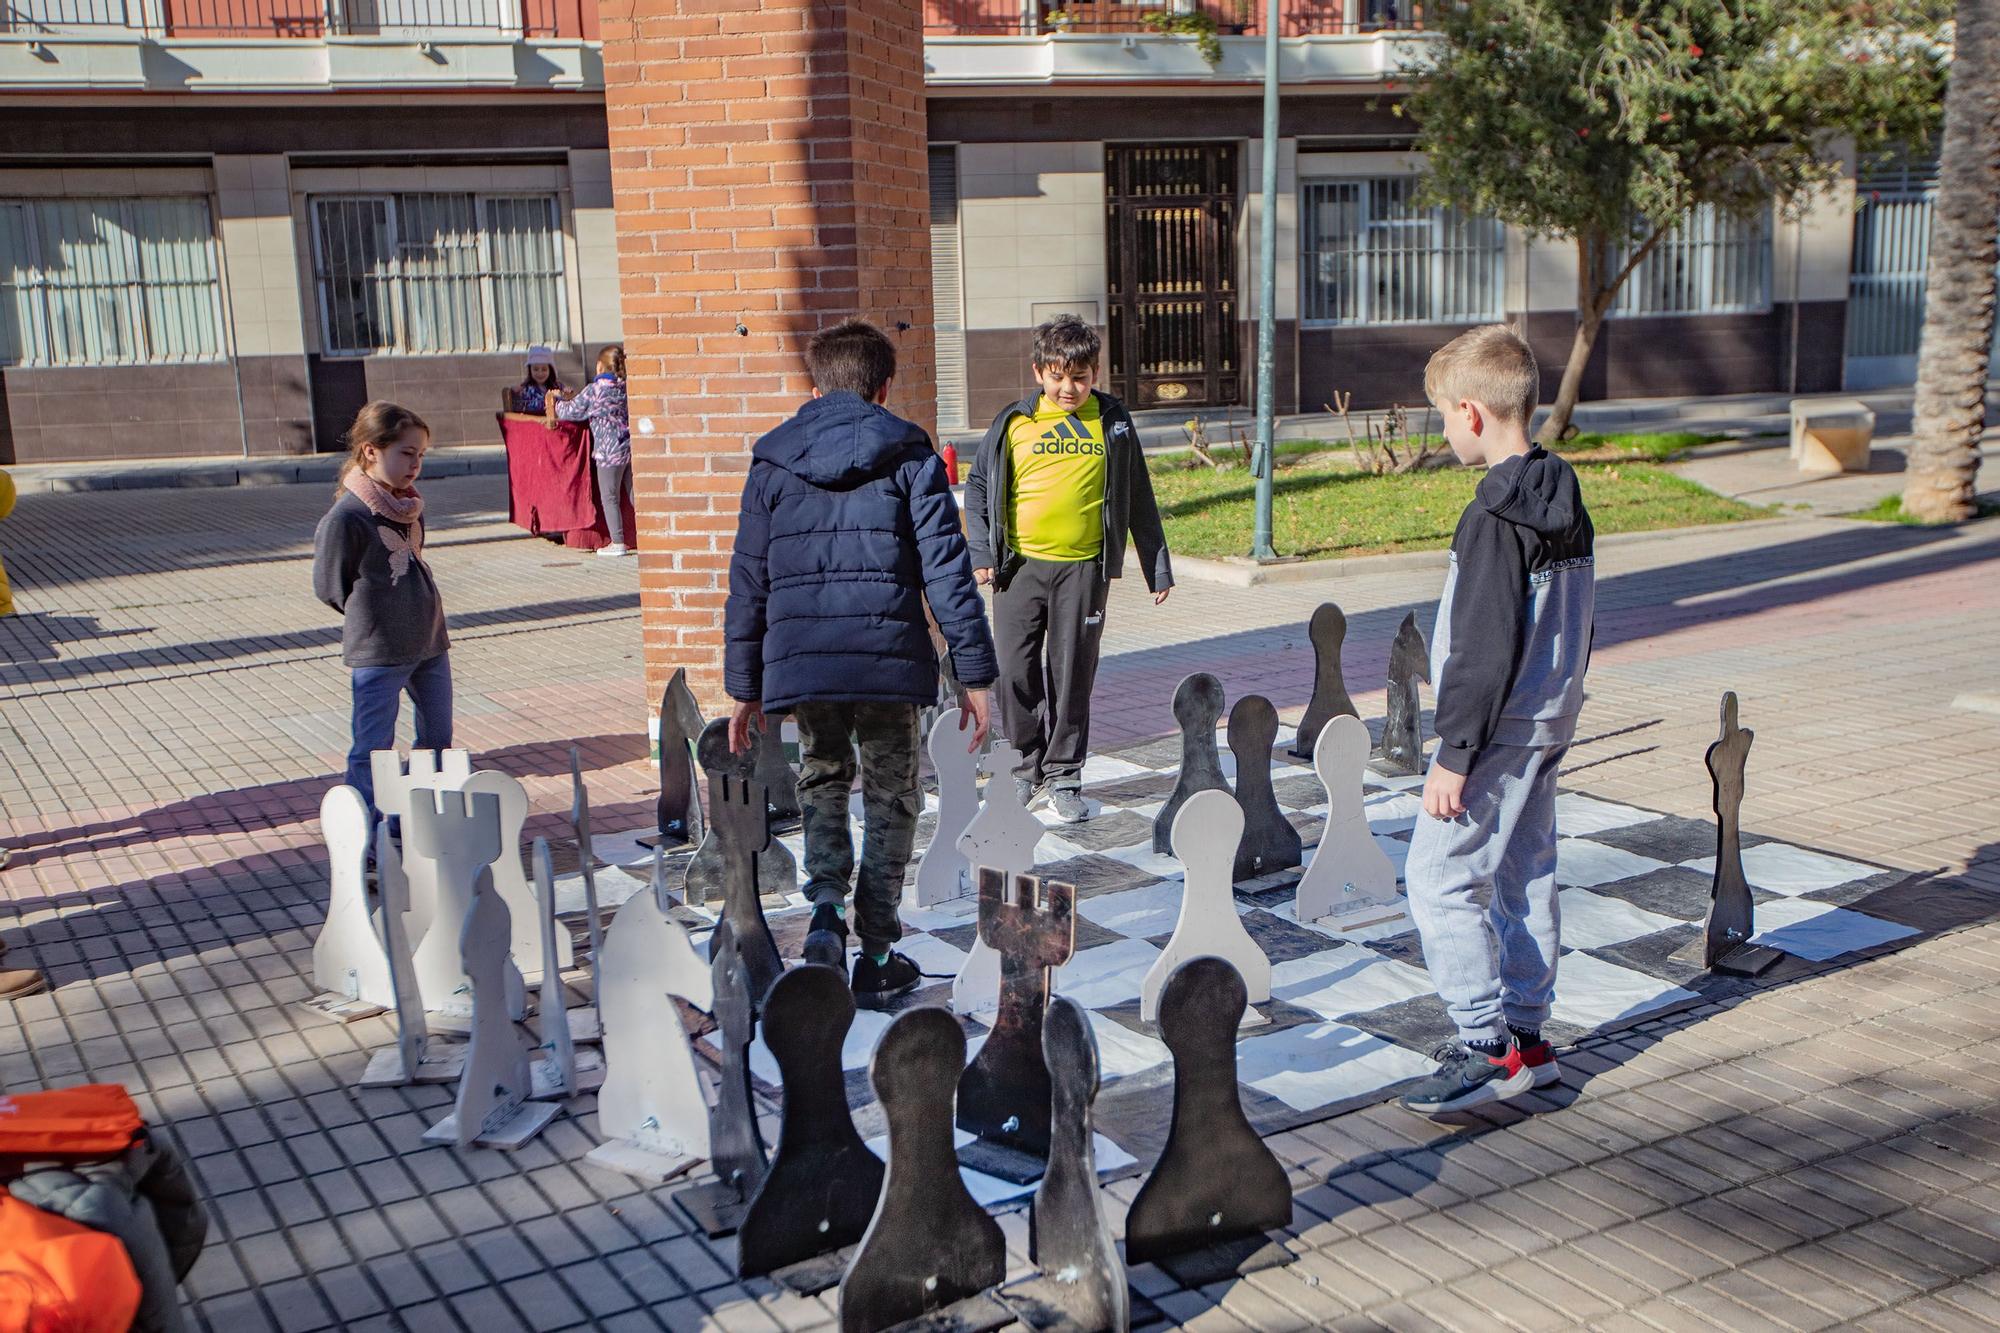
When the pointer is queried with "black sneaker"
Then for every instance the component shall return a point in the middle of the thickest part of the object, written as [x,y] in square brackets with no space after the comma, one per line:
[1467,1078]
[826,937]
[877,984]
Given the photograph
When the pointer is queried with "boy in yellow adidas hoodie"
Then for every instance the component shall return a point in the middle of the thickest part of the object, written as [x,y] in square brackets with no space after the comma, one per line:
[1059,483]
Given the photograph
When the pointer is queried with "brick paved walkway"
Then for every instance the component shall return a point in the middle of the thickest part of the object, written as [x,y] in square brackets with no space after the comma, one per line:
[171,706]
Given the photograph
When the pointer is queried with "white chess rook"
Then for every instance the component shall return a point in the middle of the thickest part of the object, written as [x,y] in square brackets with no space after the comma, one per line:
[1206,832]
[1349,873]
[458,836]
[508,878]
[428,771]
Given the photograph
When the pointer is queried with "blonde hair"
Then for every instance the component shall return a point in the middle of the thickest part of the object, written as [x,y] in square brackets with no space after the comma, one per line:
[1488,365]
[376,426]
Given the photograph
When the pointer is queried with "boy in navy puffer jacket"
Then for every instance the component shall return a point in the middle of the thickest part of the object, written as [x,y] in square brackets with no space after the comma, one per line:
[848,528]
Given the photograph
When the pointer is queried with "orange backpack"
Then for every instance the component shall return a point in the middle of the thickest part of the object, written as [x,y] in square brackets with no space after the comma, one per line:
[94,1120]
[59,1277]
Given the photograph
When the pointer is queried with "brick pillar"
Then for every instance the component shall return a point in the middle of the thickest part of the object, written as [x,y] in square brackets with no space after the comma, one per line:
[769,173]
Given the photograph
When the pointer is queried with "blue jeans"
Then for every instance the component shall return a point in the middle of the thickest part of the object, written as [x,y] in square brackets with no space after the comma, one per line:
[378,697]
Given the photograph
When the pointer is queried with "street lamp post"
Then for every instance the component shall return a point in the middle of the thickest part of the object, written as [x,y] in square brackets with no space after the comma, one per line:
[1267,292]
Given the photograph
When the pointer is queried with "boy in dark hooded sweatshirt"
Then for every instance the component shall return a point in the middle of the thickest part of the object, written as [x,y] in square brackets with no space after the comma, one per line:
[1508,656]
[848,528]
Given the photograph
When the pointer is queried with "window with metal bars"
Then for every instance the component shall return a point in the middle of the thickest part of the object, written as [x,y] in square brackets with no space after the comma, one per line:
[108,282]
[1370,254]
[437,273]
[1712,263]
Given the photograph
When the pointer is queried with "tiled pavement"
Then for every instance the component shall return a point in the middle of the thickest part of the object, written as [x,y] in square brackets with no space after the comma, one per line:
[1823,1154]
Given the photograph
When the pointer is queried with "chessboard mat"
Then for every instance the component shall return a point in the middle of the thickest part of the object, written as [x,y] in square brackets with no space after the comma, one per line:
[1353,1017]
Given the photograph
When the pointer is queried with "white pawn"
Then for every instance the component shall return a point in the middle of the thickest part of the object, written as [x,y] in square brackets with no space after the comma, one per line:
[415,1058]
[1205,835]
[942,875]
[561,1070]
[651,1109]
[1003,835]
[1349,873]
[349,966]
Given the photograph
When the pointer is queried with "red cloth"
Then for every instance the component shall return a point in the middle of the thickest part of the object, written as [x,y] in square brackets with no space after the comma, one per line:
[551,485]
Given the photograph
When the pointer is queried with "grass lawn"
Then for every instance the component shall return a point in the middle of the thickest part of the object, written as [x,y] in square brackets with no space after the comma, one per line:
[1889,509]
[1323,507]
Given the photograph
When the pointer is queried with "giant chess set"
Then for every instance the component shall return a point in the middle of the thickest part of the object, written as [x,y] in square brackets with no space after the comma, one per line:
[1220,952]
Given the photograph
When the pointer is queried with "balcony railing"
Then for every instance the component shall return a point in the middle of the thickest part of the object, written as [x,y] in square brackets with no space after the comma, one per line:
[303,18]
[1300,18]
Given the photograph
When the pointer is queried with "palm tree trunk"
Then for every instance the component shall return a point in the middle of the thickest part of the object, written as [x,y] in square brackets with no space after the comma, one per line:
[1959,288]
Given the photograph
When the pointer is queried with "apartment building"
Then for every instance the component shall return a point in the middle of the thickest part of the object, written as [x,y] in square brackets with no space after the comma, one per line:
[224,224]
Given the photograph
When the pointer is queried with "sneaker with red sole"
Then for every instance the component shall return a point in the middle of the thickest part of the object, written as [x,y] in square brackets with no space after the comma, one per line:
[1466,1078]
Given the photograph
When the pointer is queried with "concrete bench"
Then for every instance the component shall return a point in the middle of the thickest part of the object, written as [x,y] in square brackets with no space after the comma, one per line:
[1831,435]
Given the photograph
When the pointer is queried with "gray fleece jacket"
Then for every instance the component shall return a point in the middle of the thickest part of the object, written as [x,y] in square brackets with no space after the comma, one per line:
[366,567]
[1515,623]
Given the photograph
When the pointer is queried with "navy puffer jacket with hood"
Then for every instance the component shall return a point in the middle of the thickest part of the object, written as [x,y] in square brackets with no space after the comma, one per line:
[848,526]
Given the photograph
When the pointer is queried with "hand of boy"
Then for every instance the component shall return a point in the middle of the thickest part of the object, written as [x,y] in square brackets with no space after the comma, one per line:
[979,710]
[740,726]
[1161,596]
[983,577]
[1444,793]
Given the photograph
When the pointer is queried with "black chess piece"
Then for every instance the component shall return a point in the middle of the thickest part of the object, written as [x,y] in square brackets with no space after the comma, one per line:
[1726,934]
[680,723]
[929,1245]
[1082,1283]
[1327,632]
[1003,1096]
[1269,840]
[1403,731]
[735,1147]
[740,826]
[1197,708]
[777,871]
[823,1182]
[1215,1181]
[775,771]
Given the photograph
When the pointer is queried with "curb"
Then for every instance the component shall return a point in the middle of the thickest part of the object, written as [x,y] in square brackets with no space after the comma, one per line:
[452,461]
[1246,573]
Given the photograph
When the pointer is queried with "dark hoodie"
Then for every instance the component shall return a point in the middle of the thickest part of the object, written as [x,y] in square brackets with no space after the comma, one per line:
[1514,625]
[848,526]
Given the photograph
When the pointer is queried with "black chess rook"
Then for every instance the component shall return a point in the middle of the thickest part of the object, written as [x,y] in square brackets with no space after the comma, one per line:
[1003,1096]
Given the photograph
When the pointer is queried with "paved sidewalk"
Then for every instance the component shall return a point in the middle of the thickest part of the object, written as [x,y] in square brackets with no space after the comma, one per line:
[1825,1153]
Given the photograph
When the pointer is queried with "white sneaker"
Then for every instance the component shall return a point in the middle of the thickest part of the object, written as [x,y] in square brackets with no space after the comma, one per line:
[612,551]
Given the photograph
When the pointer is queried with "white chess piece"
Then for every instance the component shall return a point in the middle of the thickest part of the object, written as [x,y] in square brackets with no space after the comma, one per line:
[942,875]
[414,1058]
[348,962]
[651,1109]
[1002,835]
[492,1107]
[1349,873]
[427,770]
[1205,835]
[458,836]
[508,879]
[561,1069]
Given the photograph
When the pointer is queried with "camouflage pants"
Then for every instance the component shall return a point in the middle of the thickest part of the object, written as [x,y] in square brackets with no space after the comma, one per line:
[890,801]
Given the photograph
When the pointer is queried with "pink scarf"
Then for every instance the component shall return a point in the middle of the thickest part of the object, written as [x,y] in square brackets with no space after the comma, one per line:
[396,506]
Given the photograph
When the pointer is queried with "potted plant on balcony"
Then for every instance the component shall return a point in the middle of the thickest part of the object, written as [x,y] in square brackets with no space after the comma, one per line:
[1188,18]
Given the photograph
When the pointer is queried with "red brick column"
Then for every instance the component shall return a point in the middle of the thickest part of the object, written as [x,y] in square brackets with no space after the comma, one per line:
[768,167]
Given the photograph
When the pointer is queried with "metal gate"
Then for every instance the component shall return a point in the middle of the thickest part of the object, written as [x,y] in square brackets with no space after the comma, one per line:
[1885,284]
[1170,236]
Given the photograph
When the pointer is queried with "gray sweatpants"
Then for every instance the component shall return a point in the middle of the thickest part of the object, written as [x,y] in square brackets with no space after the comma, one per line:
[1483,893]
[614,483]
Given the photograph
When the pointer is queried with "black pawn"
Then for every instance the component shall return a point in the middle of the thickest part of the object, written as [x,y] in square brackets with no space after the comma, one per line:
[1197,708]
[1403,731]
[1327,632]
[1269,841]
[1068,1236]
[680,723]
[823,1181]
[1215,1181]
[929,1244]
